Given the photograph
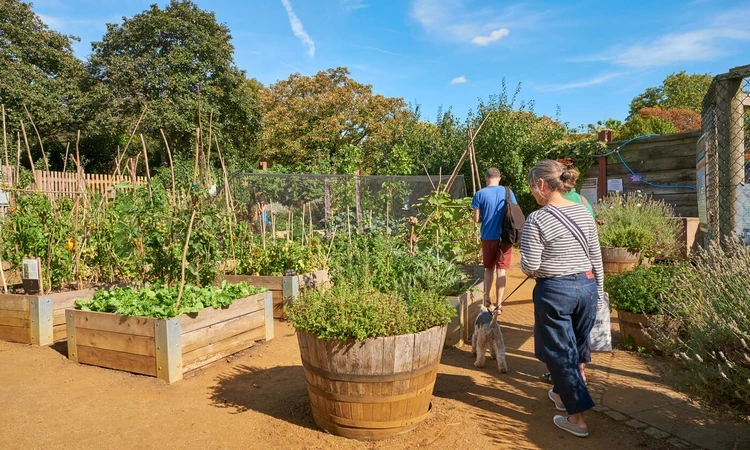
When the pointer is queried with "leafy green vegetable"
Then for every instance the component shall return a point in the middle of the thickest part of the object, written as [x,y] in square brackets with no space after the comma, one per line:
[159,302]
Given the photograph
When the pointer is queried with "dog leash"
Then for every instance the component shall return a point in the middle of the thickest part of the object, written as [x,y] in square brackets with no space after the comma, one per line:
[517,288]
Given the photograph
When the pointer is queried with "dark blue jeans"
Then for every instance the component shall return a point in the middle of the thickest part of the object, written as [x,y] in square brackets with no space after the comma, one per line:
[564,313]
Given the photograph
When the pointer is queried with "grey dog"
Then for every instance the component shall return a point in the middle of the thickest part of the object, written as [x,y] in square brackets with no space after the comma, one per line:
[487,335]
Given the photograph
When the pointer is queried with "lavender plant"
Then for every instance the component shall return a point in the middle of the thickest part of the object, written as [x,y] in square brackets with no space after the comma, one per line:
[706,326]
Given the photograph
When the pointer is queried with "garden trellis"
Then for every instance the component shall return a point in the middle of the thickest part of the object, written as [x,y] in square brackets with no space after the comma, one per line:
[301,203]
[724,157]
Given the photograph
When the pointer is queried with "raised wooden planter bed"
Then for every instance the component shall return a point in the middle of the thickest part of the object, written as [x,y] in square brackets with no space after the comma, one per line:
[284,289]
[468,306]
[37,319]
[168,349]
[371,389]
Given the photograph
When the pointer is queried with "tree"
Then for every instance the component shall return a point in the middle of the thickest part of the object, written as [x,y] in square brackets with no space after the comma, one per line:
[163,61]
[311,120]
[679,90]
[37,69]
[682,119]
[640,126]
[513,139]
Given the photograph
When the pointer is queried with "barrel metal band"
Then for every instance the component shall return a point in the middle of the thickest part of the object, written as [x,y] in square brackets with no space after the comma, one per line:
[364,399]
[368,423]
[400,376]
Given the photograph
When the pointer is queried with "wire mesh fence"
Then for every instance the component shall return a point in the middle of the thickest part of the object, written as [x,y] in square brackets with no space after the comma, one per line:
[294,204]
[724,158]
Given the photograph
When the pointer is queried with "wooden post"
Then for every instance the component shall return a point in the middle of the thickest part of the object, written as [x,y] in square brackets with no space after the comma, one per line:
[268,312]
[606,137]
[40,309]
[167,339]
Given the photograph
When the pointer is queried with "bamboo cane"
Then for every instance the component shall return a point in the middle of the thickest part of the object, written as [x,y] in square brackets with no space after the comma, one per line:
[171,165]
[148,173]
[471,161]
[37,181]
[197,150]
[18,159]
[135,128]
[2,272]
[38,136]
[65,161]
[183,265]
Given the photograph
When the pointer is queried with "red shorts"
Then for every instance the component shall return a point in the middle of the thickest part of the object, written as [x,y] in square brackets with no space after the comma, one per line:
[496,254]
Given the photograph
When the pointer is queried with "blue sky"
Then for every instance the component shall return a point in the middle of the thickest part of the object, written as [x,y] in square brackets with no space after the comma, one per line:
[587,57]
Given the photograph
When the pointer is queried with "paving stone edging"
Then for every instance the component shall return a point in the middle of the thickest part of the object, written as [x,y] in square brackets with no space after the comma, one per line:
[597,392]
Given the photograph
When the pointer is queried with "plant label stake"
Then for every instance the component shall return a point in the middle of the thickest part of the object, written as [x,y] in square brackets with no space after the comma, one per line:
[32,279]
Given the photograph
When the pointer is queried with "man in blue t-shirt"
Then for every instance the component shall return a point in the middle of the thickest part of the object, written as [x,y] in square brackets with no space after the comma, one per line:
[489,208]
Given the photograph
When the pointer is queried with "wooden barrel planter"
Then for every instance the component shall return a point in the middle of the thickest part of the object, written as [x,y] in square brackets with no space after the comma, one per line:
[632,324]
[618,259]
[371,389]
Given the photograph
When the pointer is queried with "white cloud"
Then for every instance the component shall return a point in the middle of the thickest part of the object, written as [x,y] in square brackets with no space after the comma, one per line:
[582,84]
[705,41]
[298,29]
[458,80]
[453,20]
[351,5]
[494,36]
[375,49]
[699,45]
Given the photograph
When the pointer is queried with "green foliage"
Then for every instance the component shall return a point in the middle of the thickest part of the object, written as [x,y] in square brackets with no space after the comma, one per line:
[278,256]
[314,121]
[641,290]
[33,227]
[159,301]
[39,70]
[513,139]
[679,90]
[640,126]
[709,332]
[581,152]
[382,262]
[638,223]
[350,310]
[447,227]
[161,59]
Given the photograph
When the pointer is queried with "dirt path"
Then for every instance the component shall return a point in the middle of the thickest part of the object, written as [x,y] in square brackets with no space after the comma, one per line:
[258,400]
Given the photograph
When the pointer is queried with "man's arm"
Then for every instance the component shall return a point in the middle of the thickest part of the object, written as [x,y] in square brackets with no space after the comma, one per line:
[477,217]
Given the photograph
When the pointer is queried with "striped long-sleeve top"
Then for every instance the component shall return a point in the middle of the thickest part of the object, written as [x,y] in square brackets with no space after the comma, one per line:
[549,249]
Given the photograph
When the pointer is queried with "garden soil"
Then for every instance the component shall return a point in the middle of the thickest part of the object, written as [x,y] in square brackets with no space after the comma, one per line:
[258,400]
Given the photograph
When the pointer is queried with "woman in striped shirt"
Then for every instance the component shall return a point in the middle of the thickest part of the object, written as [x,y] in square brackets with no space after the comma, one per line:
[560,249]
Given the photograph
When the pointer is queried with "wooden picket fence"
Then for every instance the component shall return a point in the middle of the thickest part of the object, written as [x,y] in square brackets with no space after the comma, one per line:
[61,184]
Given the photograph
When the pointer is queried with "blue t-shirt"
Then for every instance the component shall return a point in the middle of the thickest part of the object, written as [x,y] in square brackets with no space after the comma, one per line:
[490,202]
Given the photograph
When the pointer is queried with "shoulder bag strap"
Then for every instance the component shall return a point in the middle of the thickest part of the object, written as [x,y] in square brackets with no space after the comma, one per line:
[573,227]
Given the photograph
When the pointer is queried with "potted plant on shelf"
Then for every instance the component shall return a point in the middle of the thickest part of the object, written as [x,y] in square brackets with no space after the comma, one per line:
[634,229]
[636,295]
[370,357]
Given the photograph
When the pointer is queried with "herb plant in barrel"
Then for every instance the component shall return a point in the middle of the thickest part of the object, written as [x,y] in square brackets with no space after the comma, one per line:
[370,358]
